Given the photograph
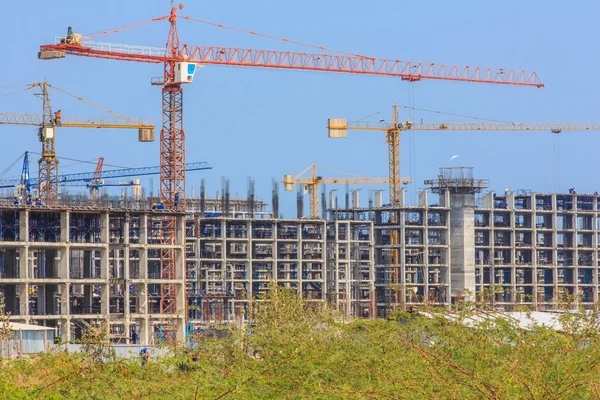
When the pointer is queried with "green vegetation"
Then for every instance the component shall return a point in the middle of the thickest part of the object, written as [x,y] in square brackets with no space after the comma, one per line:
[297,352]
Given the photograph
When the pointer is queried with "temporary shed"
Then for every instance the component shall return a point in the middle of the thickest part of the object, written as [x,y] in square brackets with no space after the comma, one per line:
[27,340]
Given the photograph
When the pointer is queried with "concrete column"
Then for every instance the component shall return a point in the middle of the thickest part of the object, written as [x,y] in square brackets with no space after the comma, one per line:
[144,229]
[142,290]
[105,300]
[64,226]
[104,228]
[143,252]
[510,204]
[51,271]
[181,317]
[372,295]
[510,201]
[11,271]
[24,226]
[62,268]
[87,274]
[534,254]
[401,221]
[323,262]
[401,199]
[554,252]
[595,252]
[145,331]
[65,331]
[126,279]
[24,287]
[488,200]
[462,232]
[423,198]
[180,275]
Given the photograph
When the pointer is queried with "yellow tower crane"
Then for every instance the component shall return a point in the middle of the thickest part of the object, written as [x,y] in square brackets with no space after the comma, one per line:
[48,121]
[338,128]
[313,181]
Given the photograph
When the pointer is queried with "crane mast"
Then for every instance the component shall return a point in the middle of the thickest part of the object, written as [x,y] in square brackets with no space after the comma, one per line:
[172,160]
[48,163]
[172,135]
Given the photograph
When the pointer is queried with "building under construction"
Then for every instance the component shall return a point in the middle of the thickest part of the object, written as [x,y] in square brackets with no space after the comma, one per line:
[73,265]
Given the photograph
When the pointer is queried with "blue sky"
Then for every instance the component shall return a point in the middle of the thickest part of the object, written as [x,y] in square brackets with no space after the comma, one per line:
[265,123]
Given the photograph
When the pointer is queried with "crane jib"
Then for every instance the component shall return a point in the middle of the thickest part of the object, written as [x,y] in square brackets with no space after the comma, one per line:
[407,70]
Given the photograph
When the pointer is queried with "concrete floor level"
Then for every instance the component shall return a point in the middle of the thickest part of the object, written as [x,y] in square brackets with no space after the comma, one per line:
[74,266]
[69,267]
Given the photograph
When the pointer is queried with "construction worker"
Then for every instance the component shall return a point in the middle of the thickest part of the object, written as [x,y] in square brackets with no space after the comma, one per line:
[16,200]
[38,201]
[161,205]
[57,117]
[28,199]
[69,34]
[176,199]
[145,355]
[154,206]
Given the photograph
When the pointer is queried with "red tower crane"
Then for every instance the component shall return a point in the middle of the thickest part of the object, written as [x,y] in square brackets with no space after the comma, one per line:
[96,180]
[179,67]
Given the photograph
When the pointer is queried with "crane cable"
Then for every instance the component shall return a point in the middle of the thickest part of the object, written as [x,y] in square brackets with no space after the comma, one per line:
[31,86]
[11,165]
[164,17]
[124,28]
[92,104]
[83,161]
[434,112]
[374,114]
[273,37]
[17,91]
[16,86]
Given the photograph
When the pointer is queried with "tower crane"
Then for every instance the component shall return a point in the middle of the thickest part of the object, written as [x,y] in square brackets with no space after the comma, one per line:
[314,181]
[96,181]
[339,127]
[49,121]
[180,64]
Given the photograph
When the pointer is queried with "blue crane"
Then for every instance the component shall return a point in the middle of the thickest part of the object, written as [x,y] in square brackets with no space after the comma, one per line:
[88,177]
[25,173]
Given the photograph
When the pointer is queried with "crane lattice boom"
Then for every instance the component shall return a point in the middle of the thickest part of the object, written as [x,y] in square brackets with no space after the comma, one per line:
[468,126]
[77,122]
[407,70]
[343,181]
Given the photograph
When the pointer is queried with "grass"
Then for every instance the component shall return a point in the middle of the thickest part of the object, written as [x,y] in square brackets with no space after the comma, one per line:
[294,352]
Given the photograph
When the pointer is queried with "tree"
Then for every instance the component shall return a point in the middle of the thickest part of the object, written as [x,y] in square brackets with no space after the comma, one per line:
[6,333]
